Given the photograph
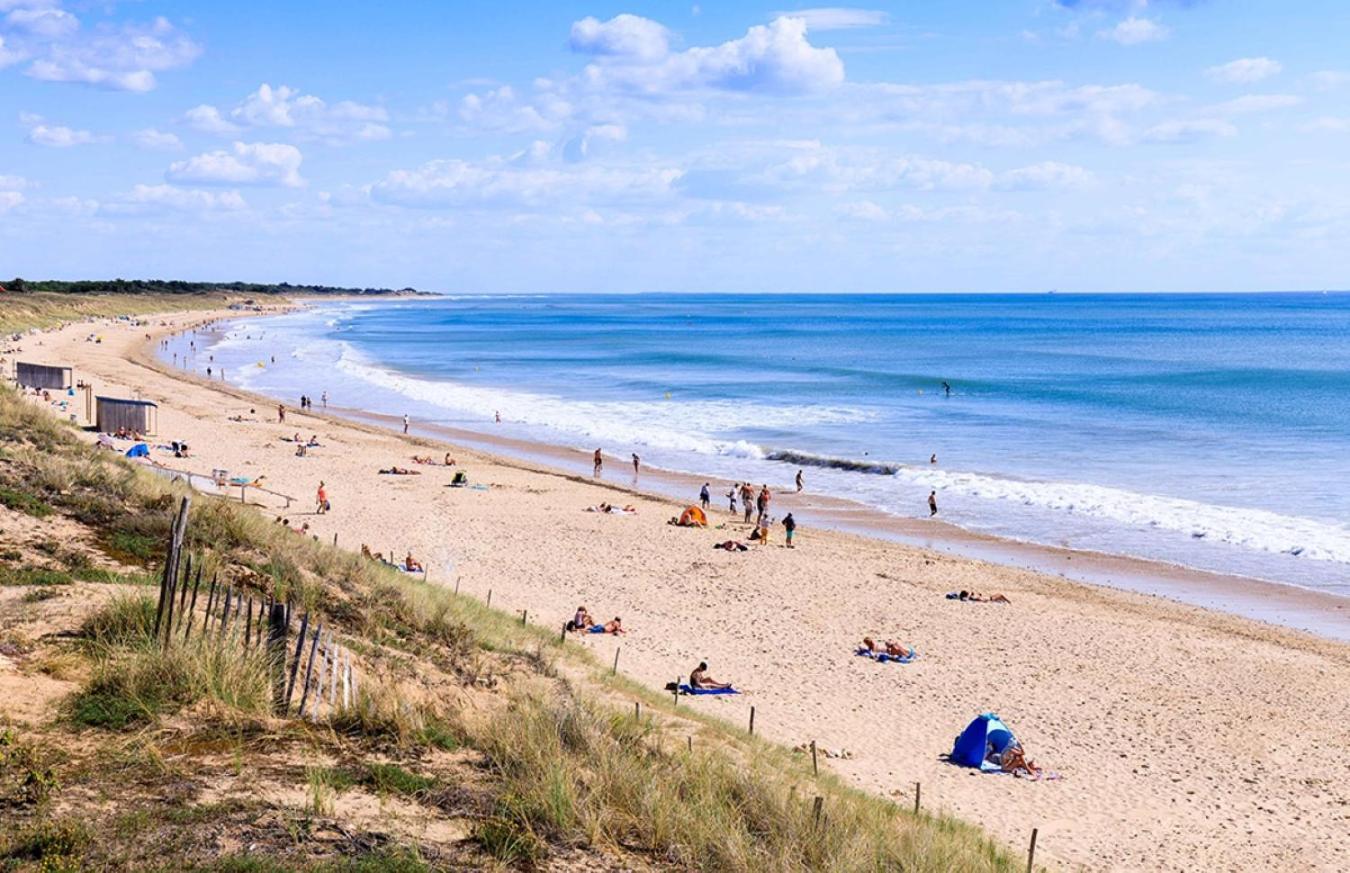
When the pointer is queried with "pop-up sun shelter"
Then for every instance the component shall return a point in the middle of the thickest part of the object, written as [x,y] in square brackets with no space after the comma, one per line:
[693,517]
[140,450]
[972,748]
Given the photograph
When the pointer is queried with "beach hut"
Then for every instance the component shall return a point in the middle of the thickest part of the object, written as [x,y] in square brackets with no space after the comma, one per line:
[116,413]
[43,376]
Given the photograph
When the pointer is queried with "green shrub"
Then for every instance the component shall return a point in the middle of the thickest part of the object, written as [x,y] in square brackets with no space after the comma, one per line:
[22,501]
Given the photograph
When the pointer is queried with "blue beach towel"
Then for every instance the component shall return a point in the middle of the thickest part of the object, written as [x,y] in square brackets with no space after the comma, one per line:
[597,629]
[883,658]
[689,689]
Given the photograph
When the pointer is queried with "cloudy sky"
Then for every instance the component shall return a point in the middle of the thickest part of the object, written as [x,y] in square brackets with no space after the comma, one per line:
[1021,145]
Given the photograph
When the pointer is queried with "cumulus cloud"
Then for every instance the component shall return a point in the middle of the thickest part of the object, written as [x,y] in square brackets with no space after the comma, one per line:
[833,170]
[1046,175]
[10,199]
[8,55]
[502,109]
[624,36]
[40,132]
[305,114]
[1243,71]
[1134,31]
[156,139]
[774,58]
[862,210]
[143,197]
[822,18]
[245,164]
[503,182]
[207,119]
[122,57]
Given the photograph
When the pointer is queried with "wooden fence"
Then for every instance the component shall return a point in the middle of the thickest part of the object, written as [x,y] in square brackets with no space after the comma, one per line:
[314,673]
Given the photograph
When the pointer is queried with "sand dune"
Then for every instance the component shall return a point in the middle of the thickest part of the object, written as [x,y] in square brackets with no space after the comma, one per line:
[1186,739]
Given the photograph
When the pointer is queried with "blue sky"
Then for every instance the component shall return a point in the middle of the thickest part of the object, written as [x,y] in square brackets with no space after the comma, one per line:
[1024,145]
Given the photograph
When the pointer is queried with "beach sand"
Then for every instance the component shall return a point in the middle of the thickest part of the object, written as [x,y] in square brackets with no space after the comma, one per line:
[1187,739]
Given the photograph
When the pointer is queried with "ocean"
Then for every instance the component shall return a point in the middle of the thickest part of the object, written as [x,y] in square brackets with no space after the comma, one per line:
[1208,431]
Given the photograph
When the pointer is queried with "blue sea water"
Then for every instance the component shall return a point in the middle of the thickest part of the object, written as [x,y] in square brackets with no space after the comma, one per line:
[1206,430]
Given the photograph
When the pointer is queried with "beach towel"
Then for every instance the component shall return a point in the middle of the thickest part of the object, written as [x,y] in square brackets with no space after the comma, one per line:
[689,689]
[140,450]
[596,629]
[883,658]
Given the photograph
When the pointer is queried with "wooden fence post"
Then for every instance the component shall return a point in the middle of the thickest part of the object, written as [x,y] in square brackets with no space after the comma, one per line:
[309,669]
[176,533]
[276,652]
[192,606]
[225,613]
[182,599]
[615,669]
[815,766]
[248,622]
[295,667]
[489,599]
[637,709]
[1031,852]
[816,806]
[752,721]
[918,795]
[524,615]
[173,593]
[210,604]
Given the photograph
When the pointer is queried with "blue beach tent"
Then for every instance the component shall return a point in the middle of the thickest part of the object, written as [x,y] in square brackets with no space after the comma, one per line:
[140,450]
[972,747]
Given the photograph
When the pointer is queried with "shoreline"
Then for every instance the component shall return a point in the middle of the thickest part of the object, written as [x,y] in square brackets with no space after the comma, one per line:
[1285,604]
[1142,703]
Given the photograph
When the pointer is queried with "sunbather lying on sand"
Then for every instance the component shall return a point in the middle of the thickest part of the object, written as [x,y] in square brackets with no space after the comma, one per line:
[892,648]
[614,627]
[700,678]
[977,597]
[732,546]
[400,471]
[422,459]
[611,509]
[1014,760]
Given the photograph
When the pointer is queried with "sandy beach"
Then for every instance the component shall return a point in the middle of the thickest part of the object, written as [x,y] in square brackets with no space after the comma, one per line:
[1186,738]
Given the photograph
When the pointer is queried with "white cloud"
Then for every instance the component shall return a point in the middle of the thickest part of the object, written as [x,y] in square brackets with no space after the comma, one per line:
[9,56]
[246,164]
[156,139]
[53,135]
[285,107]
[1244,71]
[73,206]
[499,182]
[1248,103]
[862,210]
[123,58]
[186,199]
[1046,175]
[9,200]
[1190,130]
[50,22]
[501,109]
[624,36]
[13,183]
[772,58]
[207,119]
[822,18]
[1328,124]
[833,170]
[584,145]
[1134,31]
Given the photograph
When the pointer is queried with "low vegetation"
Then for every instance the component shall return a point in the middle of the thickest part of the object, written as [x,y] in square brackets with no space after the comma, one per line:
[506,748]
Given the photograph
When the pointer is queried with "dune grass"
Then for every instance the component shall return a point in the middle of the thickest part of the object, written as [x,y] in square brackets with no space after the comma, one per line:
[45,309]
[567,771]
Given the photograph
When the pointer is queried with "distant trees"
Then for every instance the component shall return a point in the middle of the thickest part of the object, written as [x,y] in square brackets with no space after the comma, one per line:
[178,286]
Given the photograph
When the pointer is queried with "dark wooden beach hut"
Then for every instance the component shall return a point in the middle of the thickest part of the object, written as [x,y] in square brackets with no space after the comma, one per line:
[43,376]
[115,413]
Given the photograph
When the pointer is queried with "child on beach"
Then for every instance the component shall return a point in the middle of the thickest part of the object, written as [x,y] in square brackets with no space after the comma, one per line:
[322,497]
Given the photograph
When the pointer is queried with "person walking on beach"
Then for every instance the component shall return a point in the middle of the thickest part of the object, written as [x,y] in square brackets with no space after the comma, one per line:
[789,525]
[731,498]
[704,496]
[762,504]
[405,423]
[637,462]
[932,503]
[281,413]
[799,482]
[747,500]
[322,498]
[599,464]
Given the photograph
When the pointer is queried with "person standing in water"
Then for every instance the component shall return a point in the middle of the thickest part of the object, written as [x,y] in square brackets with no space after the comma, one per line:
[637,463]
[323,398]
[405,423]
[599,463]
[799,481]
[932,503]
[947,389]
[933,458]
[704,496]
[747,500]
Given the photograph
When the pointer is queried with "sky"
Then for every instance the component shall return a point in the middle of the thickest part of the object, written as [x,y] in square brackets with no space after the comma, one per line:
[1019,145]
